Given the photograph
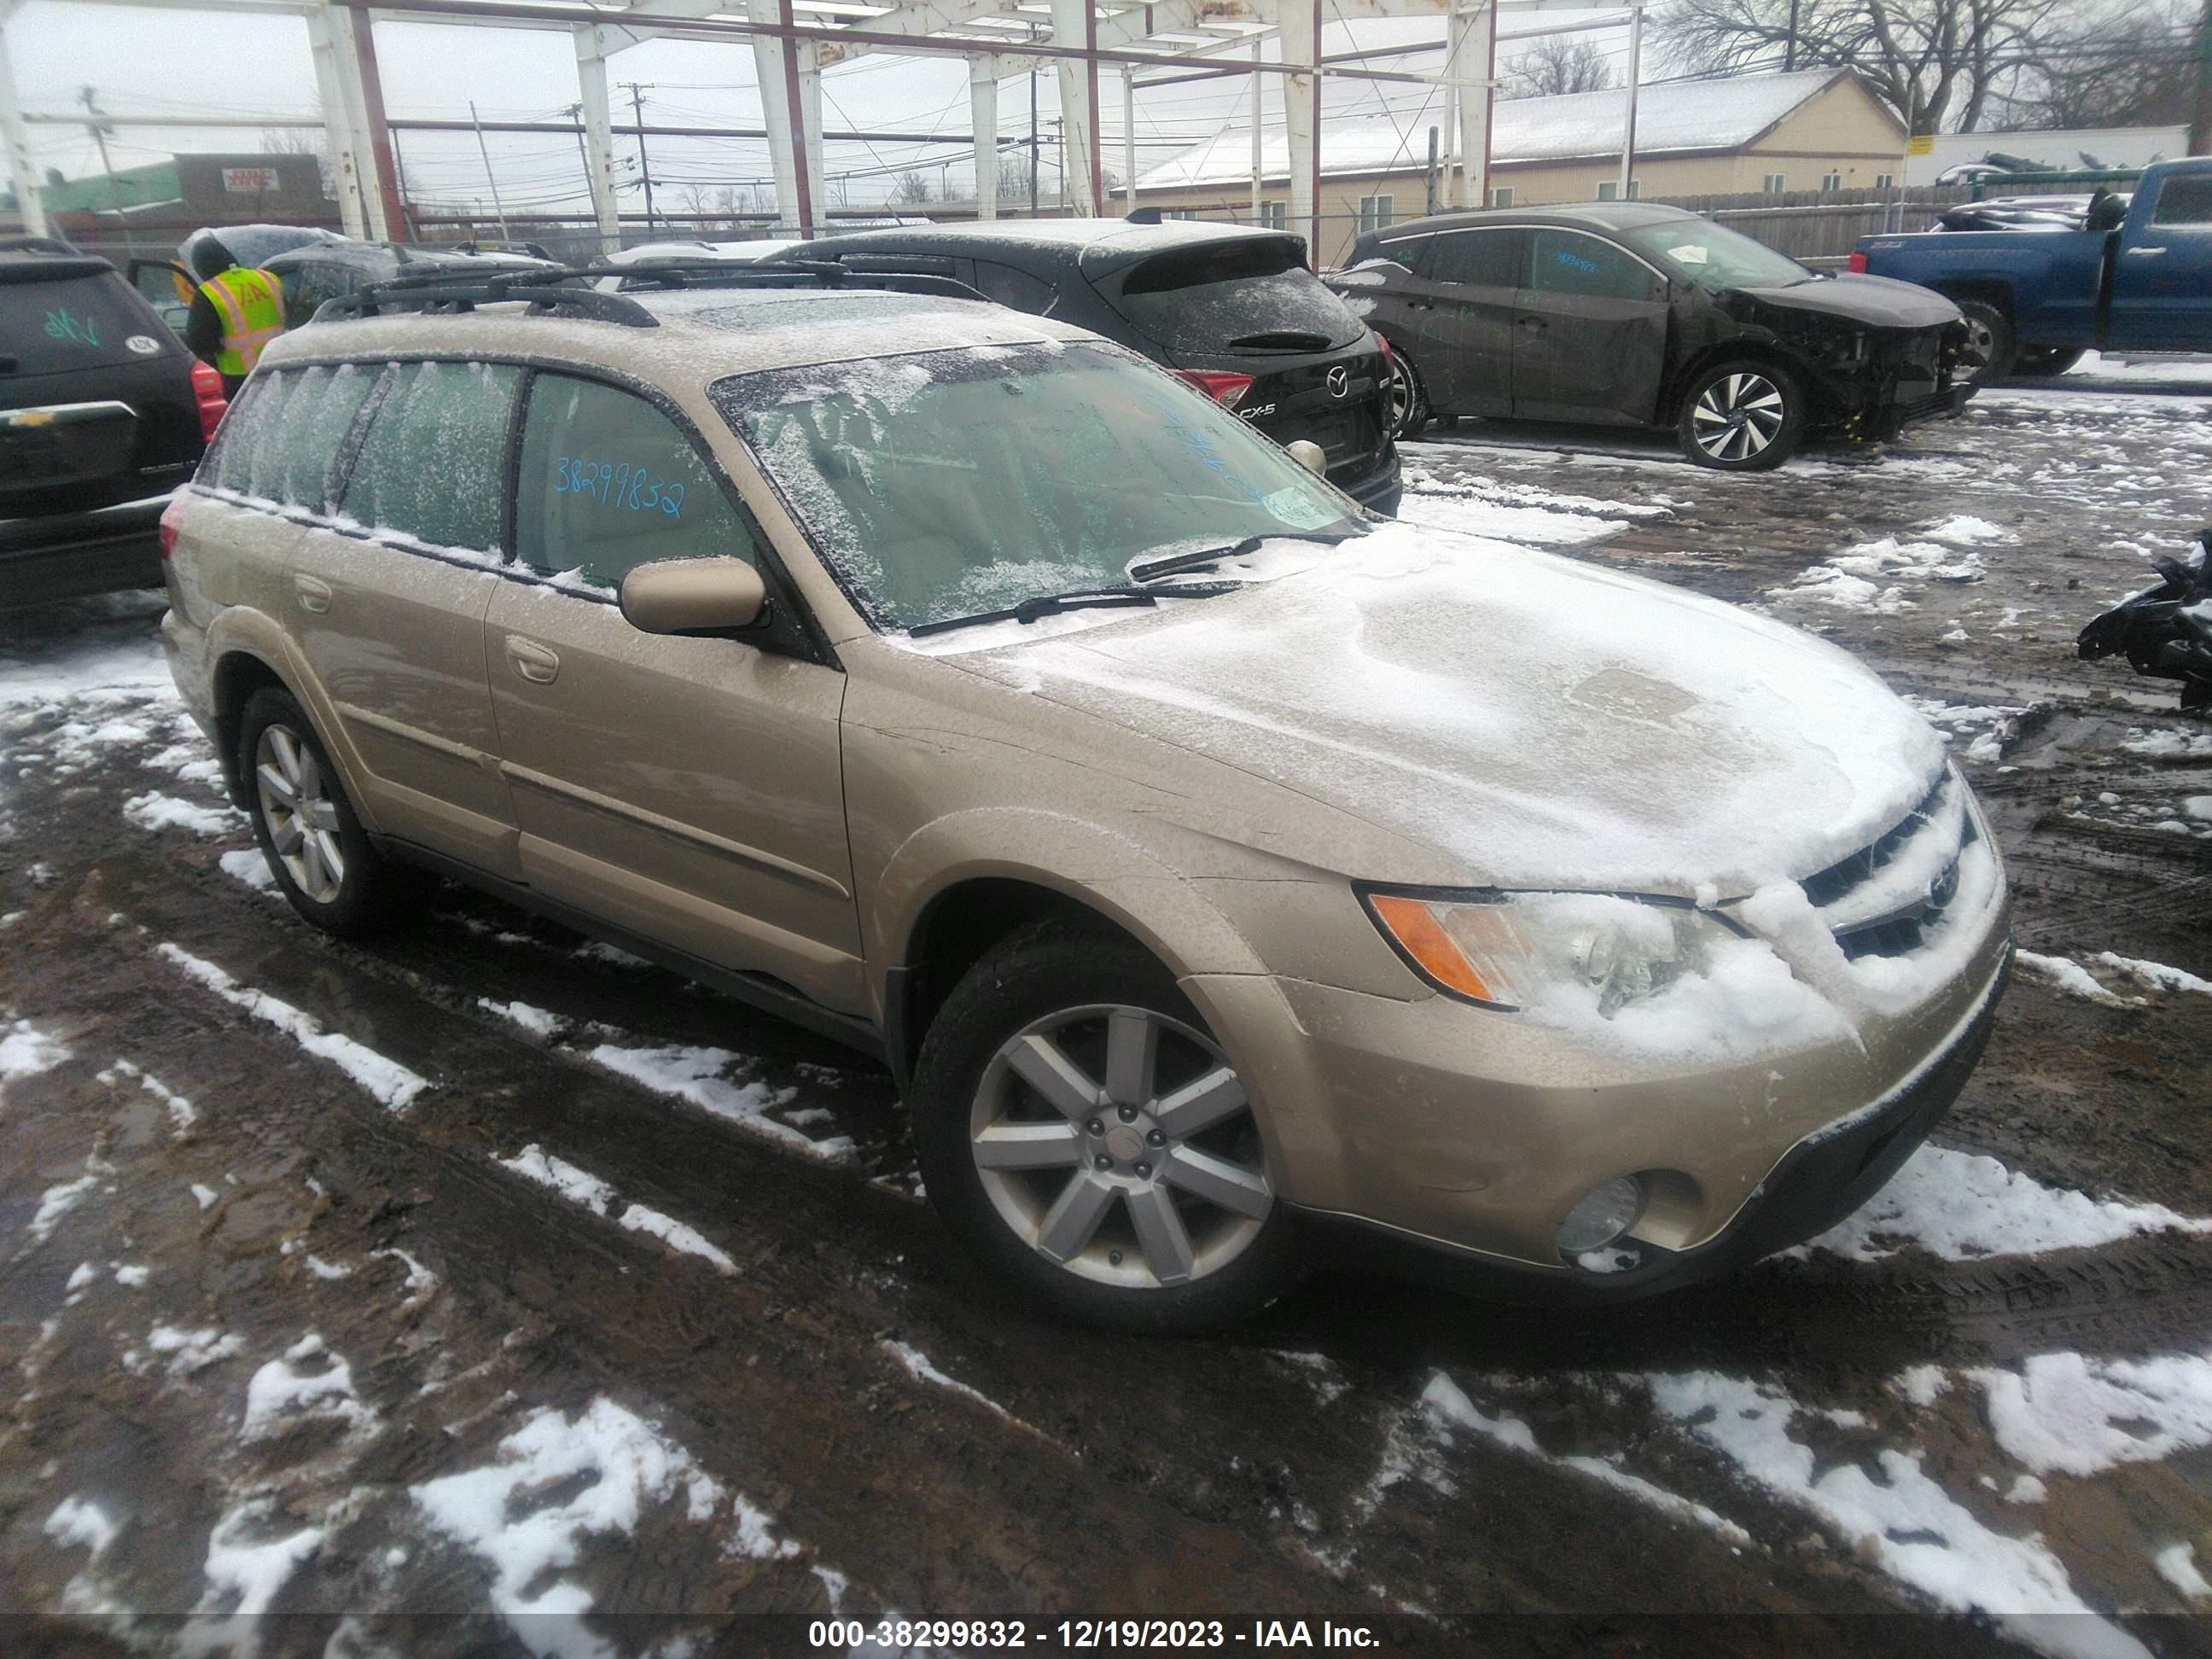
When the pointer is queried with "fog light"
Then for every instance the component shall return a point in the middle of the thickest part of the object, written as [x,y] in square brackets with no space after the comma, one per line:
[1605,1212]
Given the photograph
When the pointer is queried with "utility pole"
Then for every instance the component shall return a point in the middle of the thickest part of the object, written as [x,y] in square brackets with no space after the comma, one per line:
[1035,167]
[1790,46]
[100,130]
[644,167]
[1432,172]
[2200,121]
[576,114]
[498,211]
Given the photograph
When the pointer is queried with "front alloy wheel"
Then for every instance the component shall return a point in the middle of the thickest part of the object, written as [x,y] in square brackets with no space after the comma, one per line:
[301,817]
[1118,1143]
[1742,417]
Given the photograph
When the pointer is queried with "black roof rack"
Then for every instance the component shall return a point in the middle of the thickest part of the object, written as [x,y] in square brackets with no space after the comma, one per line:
[549,293]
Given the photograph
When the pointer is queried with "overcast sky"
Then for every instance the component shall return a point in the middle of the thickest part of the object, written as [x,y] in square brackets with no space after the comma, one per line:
[140,61]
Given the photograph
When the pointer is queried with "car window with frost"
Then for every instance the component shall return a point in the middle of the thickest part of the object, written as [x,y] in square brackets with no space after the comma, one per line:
[429,466]
[260,468]
[319,414]
[609,482]
[947,484]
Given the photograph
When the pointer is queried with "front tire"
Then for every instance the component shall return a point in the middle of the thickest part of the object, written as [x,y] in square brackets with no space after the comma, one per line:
[308,831]
[1082,1133]
[1742,416]
[1990,342]
[1409,402]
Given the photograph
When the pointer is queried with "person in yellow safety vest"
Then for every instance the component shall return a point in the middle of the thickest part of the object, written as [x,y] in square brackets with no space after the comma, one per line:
[235,315]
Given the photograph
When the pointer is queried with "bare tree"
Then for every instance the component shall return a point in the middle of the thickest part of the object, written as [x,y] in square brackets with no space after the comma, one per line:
[1938,63]
[1557,63]
[2129,68]
[1015,168]
[912,186]
[313,141]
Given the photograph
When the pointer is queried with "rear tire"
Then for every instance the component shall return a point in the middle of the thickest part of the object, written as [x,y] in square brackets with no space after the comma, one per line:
[1988,339]
[1741,415]
[308,831]
[2042,362]
[1130,1190]
[1409,402]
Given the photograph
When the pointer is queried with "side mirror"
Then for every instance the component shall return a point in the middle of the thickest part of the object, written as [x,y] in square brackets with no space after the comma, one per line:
[1307,454]
[693,596]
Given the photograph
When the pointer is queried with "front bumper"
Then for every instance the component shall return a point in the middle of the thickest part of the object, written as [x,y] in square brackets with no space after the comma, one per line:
[1822,1179]
[1941,406]
[67,557]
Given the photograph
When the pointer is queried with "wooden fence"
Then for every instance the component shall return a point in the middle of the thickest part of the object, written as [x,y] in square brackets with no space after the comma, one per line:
[1820,226]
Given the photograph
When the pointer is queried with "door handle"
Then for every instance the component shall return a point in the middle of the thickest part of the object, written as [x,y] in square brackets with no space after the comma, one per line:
[2145,252]
[315,593]
[533,660]
[1531,322]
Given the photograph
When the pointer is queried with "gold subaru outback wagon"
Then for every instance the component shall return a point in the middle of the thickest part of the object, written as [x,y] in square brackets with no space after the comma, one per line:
[1231,880]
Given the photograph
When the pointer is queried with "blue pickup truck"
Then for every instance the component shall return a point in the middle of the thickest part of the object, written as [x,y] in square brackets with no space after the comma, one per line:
[2139,278]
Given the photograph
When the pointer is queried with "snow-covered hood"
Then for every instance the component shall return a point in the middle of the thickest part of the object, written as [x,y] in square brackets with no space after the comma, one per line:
[1871,301]
[1536,721]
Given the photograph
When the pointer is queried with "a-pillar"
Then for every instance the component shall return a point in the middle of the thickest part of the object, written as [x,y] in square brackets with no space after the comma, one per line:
[20,173]
[339,135]
[983,113]
[591,56]
[1301,38]
[1471,50]
[1075,23]
[790,76]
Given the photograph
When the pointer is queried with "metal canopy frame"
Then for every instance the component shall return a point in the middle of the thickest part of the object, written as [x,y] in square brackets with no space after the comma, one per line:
[793,41]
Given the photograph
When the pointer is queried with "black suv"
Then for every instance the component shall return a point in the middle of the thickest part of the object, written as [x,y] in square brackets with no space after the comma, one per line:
[1230,308]
[1634,314]
[102,414]
[326,270]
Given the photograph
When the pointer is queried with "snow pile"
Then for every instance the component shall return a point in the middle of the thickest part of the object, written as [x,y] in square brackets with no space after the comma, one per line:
[26,1051]
[536,1021]
[79,1521]
[1902,1521]
[1869,577]
[2160,744]
[386,1079]
[2069,977]
[155,810]
[249,866]
[283,1394]
[245,1570]
[558,1483]
[1447,1406]
[2067,1413]
[698,1076]
[59,1199]
[187,1352]
[183,1115]
[532,1163]
[2177,1565]
[2155,974]
[1512,513]
[1961,1206]
[1967,531]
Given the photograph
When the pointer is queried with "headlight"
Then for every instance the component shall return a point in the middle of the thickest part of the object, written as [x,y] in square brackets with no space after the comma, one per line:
[1515,951]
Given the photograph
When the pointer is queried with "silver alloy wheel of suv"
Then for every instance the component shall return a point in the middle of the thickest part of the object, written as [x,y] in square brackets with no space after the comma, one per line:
[301,817]
[1119,1144]
[1738,416]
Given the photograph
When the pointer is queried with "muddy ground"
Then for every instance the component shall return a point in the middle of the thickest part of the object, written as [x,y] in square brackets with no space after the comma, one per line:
[481,1271]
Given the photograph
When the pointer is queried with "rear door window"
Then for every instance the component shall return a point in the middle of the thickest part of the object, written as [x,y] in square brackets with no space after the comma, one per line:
[1479,258]
[55,324]
[1568,262]
[1249,295]
[2185,199]
[429,466]
[609,482]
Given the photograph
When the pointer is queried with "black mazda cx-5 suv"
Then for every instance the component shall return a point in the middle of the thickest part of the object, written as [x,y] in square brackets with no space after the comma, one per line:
[1230,308]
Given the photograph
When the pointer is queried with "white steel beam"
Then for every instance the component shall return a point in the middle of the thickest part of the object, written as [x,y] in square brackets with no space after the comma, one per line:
[599,135]
[789,74]
[339,133]
[1470,47]
[353,103]
[1628,124]
[1075,23]
[1300,22]
[983,116]
[22,176]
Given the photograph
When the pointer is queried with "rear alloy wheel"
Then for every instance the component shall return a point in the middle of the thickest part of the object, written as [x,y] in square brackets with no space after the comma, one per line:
[1742,417]
[316,847]
[1082,1131]
[1990,354]
[1409,405]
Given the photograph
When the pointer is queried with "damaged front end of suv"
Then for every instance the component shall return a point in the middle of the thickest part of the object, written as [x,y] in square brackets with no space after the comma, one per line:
[1878,361]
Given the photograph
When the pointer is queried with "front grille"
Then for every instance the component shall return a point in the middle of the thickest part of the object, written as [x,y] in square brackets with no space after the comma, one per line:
[1881,900]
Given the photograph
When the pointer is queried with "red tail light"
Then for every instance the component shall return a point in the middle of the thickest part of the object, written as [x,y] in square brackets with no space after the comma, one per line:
[1227,390]
[1389,356]
[171,516]
[1856,262]
[207,392]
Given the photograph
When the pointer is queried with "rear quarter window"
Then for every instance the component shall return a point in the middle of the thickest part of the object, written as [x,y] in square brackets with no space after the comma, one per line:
[54,326]
[1015,289]
[429,466]
[1208,298]
[2185,200]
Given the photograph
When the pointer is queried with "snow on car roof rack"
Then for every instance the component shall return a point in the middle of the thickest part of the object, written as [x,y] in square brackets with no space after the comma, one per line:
[445,293]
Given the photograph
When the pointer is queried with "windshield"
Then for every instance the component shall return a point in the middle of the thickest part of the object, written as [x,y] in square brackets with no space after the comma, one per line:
[1714,257]
[951,483]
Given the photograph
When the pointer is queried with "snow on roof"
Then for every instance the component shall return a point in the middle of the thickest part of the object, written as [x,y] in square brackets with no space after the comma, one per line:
[1672,118]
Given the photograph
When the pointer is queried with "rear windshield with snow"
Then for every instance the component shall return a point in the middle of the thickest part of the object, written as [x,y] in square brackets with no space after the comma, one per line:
[948,483]
[1231,297]
[54,326]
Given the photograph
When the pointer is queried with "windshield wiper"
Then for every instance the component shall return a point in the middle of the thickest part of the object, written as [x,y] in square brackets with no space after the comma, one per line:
[1206,555]
[1051,604]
